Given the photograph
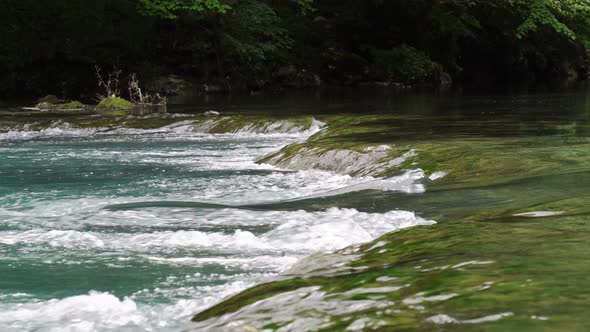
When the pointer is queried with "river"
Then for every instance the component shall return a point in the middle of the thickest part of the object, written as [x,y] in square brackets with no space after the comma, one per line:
[140,227]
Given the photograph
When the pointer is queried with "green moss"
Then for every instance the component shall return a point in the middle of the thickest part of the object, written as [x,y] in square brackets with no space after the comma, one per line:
[492,259]
[63,106]
[489,267]
[250,296]
[467,160]
[71,105]
[115,103]
[235,123]
[149,122]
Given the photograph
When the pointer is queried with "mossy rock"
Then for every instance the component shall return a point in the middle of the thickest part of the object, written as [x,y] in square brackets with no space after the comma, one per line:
[71,105]
[481,276]
[62,106]
[115,103]
[51,99]
[509,253]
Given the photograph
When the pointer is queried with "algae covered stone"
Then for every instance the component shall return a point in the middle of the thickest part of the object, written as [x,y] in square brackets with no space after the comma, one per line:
[115,103]
[60,106]
[71,105]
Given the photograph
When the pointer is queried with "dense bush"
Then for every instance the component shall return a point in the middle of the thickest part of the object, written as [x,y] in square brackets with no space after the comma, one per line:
[52,46]
[404,64]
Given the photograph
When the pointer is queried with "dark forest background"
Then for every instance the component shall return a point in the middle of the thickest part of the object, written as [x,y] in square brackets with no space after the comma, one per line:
[222,45]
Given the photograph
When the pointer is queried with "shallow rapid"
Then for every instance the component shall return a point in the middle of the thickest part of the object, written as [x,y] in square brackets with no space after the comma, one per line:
[138,230]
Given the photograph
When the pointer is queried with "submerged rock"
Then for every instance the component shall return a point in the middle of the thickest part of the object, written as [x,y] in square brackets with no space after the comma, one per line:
[370,161]
[510,251]
[261,125]
[71,105]
[485,275]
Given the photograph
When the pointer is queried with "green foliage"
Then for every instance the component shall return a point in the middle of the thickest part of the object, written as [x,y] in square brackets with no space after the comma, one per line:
[51,46]
[254,33]
[229,38]
[455,20]
[404,64]
[541,14]
[171,9]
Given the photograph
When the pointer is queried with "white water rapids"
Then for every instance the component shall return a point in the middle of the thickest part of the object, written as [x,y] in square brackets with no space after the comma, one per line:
[152,267]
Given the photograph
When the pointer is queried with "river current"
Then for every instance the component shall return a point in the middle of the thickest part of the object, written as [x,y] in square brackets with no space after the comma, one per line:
[144,221]
[138,230]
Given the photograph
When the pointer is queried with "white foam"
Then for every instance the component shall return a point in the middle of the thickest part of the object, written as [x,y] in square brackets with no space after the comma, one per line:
[265,263]
[418,298]
[438,175]
[460,265]
[51,209]
[294,231]
[251,245]
[539,214]
[337,228]
[100,311]
[446,319]
[386,279]
[304,309]
[306,183]
[18,135]
[54,238]
[299,233]
[61,129]
[92,312]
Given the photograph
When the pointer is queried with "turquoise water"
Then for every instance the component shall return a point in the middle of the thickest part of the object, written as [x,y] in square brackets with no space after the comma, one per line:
[137,230]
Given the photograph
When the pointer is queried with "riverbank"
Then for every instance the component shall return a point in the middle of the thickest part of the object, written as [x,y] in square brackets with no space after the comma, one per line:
[229,46]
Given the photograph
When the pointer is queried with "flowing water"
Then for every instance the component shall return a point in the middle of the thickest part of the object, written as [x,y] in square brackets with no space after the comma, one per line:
[73,258]
[140,229]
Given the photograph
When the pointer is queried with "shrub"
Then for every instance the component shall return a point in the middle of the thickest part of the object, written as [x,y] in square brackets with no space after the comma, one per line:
[404,64]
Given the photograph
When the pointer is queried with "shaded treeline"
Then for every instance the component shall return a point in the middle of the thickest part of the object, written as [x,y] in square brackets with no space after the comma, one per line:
[52,46]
